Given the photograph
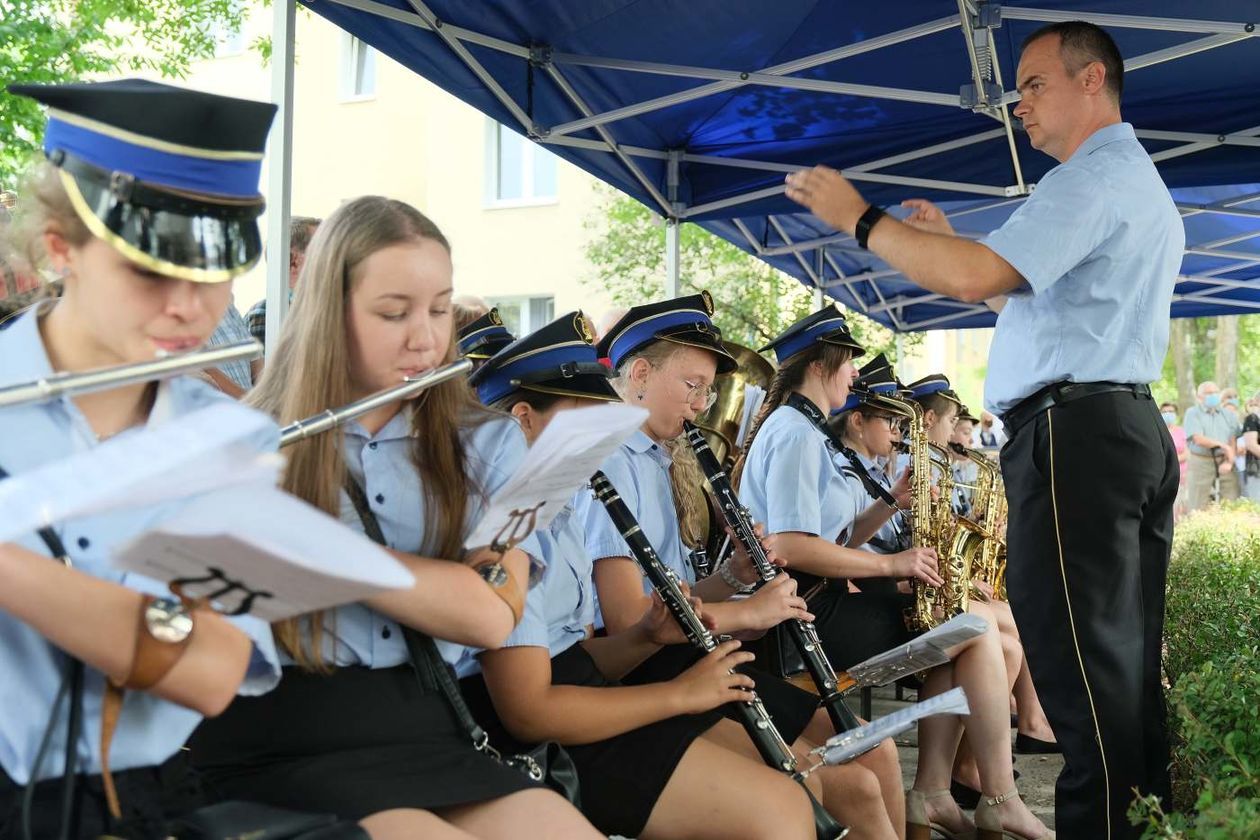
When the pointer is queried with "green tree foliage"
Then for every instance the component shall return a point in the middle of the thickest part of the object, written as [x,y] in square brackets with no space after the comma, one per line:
[755,301]
[1202,349]
[49,41]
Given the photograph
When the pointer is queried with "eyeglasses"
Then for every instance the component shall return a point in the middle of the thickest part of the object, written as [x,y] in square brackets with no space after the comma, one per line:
[696,392]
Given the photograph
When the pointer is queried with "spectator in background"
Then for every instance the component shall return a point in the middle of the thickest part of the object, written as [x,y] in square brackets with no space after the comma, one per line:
[1169,412]
[301,230]
[991,435]
[1251,449]
[234,378]
[1210,435]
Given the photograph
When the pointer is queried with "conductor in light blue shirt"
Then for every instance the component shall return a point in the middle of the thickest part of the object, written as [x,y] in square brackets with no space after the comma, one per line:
[1086,267]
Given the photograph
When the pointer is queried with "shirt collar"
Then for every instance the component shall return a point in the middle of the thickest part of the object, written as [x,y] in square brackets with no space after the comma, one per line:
[1103,136]
[24,358]
[640,443]
[398,428]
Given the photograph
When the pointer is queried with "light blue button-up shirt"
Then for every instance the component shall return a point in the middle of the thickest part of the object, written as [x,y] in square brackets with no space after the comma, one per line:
[794,481]
[1215,423]
[150,729]
[889,534]
[231,330]
[355,634]
[560,607]
[1099,244]
[639,469]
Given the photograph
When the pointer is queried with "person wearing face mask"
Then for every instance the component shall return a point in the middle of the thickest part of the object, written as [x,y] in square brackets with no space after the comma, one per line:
[1210,434]
[1168,411]
[1250,448]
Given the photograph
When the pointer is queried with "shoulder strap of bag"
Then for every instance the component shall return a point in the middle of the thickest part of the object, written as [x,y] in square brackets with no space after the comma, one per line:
[424,653]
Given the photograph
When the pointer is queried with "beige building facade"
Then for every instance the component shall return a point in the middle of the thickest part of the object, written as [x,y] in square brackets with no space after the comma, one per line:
[364,124]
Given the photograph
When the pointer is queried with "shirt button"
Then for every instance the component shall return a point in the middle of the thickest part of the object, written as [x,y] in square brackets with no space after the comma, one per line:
[83,542]
[380,498]
[385,633]
[372,445]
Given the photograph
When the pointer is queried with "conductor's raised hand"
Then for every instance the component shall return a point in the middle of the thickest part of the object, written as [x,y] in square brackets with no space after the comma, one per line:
[925,215]
[828,195]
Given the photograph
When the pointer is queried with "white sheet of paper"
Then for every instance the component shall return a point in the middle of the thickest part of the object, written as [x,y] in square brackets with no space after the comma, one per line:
[270,542]
[848,745]
[920,653]
[564,457]
[181,457]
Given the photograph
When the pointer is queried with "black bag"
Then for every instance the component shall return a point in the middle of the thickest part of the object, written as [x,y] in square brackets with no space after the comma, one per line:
[547,763]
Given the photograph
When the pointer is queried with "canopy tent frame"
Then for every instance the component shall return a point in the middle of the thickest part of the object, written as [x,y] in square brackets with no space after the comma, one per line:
[816,257]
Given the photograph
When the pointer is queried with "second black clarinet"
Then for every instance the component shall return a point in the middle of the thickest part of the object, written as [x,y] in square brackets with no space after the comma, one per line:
[752,713]
[804,635]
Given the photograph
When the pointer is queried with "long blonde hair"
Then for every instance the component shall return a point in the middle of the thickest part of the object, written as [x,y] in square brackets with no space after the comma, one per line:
[310,371]
[686,478]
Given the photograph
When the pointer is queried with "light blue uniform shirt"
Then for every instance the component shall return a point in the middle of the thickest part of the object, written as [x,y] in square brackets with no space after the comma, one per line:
[890,533]
[560,607]
[639,469]
[150,729]
[794,481]
[231,330]
[1099,244]
[355,634]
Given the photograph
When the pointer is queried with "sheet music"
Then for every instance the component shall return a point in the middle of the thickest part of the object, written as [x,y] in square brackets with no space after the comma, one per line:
[920,653]
[293,556]
[564,457]
[196,452]
[848,745]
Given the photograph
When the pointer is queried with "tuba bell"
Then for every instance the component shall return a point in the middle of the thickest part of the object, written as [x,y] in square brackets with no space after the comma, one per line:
[722,422]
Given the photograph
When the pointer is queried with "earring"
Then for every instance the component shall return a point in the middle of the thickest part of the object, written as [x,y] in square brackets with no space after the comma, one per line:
[639,396]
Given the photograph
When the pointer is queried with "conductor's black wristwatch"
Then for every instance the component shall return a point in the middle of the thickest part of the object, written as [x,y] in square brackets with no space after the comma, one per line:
[864,224]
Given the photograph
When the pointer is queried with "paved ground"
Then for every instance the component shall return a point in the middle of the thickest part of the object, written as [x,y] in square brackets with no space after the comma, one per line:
[1038,772]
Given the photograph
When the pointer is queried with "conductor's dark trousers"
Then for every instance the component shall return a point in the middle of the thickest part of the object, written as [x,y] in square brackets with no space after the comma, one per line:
[1091,481]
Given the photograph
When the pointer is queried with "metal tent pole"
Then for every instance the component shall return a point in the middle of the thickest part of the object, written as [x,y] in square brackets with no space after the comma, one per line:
[280,169]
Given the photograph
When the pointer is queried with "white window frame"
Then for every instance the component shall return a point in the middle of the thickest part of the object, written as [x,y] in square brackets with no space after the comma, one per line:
[527,325]
[350,45]
[530,151]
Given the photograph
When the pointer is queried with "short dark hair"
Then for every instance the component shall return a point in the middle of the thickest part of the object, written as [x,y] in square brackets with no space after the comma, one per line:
[1167,404]
[301,229]
[1081,43]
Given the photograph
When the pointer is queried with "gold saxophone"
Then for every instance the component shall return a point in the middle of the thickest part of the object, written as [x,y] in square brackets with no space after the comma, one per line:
[989,514]
[932,523]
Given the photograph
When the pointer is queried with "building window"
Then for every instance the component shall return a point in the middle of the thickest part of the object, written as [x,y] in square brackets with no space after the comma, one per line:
[519,170]
[358,69]
[523,315]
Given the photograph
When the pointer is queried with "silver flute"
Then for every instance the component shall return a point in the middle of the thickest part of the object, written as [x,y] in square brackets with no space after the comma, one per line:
[331,418]
[103,379]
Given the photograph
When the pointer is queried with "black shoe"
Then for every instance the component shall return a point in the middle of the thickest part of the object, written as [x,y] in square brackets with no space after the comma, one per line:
[1028,745]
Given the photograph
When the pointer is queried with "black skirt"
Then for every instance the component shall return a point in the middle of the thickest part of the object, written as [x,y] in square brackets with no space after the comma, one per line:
[854,626]
[150,797]
[621,777]
[353,742]
[790,707]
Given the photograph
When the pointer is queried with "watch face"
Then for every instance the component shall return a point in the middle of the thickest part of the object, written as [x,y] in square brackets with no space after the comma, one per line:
[494,574]
[168,621]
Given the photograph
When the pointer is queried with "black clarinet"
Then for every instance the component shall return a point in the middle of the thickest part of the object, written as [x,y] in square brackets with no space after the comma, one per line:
[803,633]
[752,713]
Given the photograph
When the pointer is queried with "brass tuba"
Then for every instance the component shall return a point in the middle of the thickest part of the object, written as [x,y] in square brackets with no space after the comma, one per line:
[721,423]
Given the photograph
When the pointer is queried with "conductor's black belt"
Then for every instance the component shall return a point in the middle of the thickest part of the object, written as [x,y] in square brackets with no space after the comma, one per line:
[1059,393]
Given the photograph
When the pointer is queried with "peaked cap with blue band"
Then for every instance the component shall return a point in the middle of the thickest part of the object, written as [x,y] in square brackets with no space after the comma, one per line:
[555,359]
[484,337]
[937,383]
[167,176]
[876,376]
[826,325]
[684,320]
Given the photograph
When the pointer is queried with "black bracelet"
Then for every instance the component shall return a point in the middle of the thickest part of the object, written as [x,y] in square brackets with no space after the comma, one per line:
[867,221]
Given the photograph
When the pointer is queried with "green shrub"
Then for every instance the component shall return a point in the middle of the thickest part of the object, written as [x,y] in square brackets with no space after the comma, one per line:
[1213,587]
[1216,756]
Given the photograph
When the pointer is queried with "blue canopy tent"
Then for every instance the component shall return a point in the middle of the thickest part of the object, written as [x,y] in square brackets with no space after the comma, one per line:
[699,108]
